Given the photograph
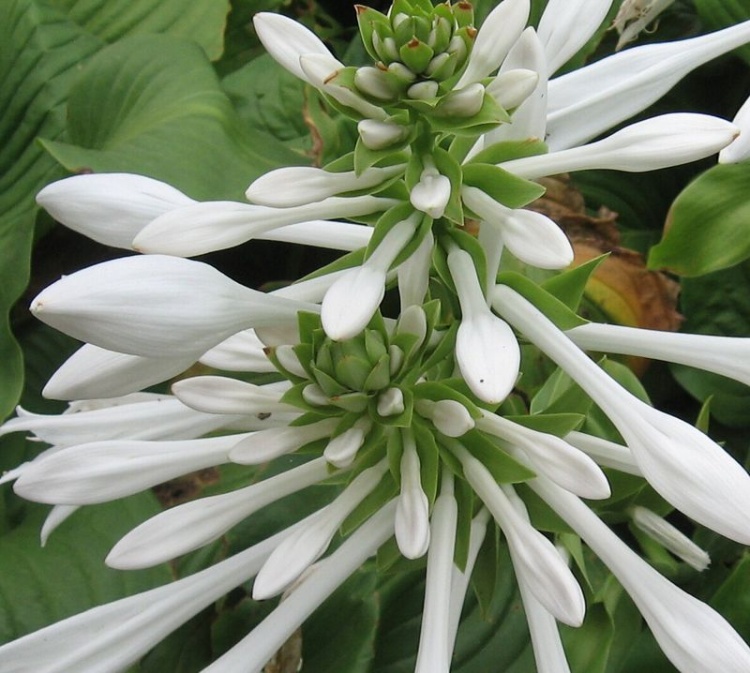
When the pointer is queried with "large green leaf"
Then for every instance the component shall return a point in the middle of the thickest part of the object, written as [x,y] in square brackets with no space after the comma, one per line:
[42,585]
[151,104]
[709,226]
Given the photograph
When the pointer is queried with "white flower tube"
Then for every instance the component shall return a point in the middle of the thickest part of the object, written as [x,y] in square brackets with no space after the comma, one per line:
[434,654]
[111,637]
[414,274]
[102,471]
[567,25]
[728,356]
[306,545]
[216,225]
[604,452]
[252,653]
[565,465]
[739,150]
[659,142]
[685,466]
[496,36]
[694,637]
[634,16]
[110,208]
[186,527]
[354,297]
[93,372]
[309,184]
[534,556]
[413,508]
[222,395]
[590,100]
[532,237]
[379,135]
[287,40]
[487,351]
[266,445]
[329,234]
[157,306]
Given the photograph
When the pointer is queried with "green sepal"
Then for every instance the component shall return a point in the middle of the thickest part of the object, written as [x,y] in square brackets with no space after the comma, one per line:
[429,459]
[551,424]
[463,14]
[560,393]
[348,261]
[324,357]
[408,343]
[416,55]
[271,355]
[374,501]
[346,423]
[465,501]
[703,419]
[451,169]
[307,323]
[329,385]
[367,18]
[402,420]
[380,375]
[508,150]
[354,402]
[470,244]
[375,345]
[570,285]
[502,186]
[442,352]
[445,390]
[394,450]
[352,371]
[546,302]
[504,468]
[542,516]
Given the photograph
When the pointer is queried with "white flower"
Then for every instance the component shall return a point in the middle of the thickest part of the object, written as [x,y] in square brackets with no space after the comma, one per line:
[432,193]
[222,395]
[412,523]
[448,416]
[739,150]
[259,447]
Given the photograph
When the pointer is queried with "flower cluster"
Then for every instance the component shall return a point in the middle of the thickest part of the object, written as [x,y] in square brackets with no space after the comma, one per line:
[418,416]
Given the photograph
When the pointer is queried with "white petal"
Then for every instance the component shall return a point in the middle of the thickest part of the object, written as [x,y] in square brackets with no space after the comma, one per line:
[513,87]
[110,208]
[567,25]
[322,234]
[56,516]
[532,237]
[351,302]
[590,100]
[186,527]
[412,523]
[222,395]
[728,356]
[298,185]
[286,40]
[254,651]
[659,142]
[266,445]
[497,34]
[156,305]
[694,637]
[739,150]
[605,453]
[103,471]
[93,372]
[302,548]
[241,352]
[217,225]
[565,465]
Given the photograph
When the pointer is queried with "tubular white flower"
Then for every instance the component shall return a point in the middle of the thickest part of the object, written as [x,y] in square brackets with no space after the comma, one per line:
[157,305]
[432,193]
[223,395]
[412,521]
[728,356]
[266,445]
[590,100]
[111,637]
[255,650]
[554,457]
[216,225]
[434,654]
[567,25]
[306,545]
[241,352]
[342,450]
[487,351]
[353,299]
[379,135]
[532,237]
[287,40]
[312,184]
[451,418]
[659,529]
[694,637]
[513,87]
[605,453]
[322,234]
[496,36]
[739,150]
[93,372]
[138,416]
[318,72]
[110,208]
[414,274]
[667,140]
[534,556]
[102,471]
[685,466]
[186,527]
